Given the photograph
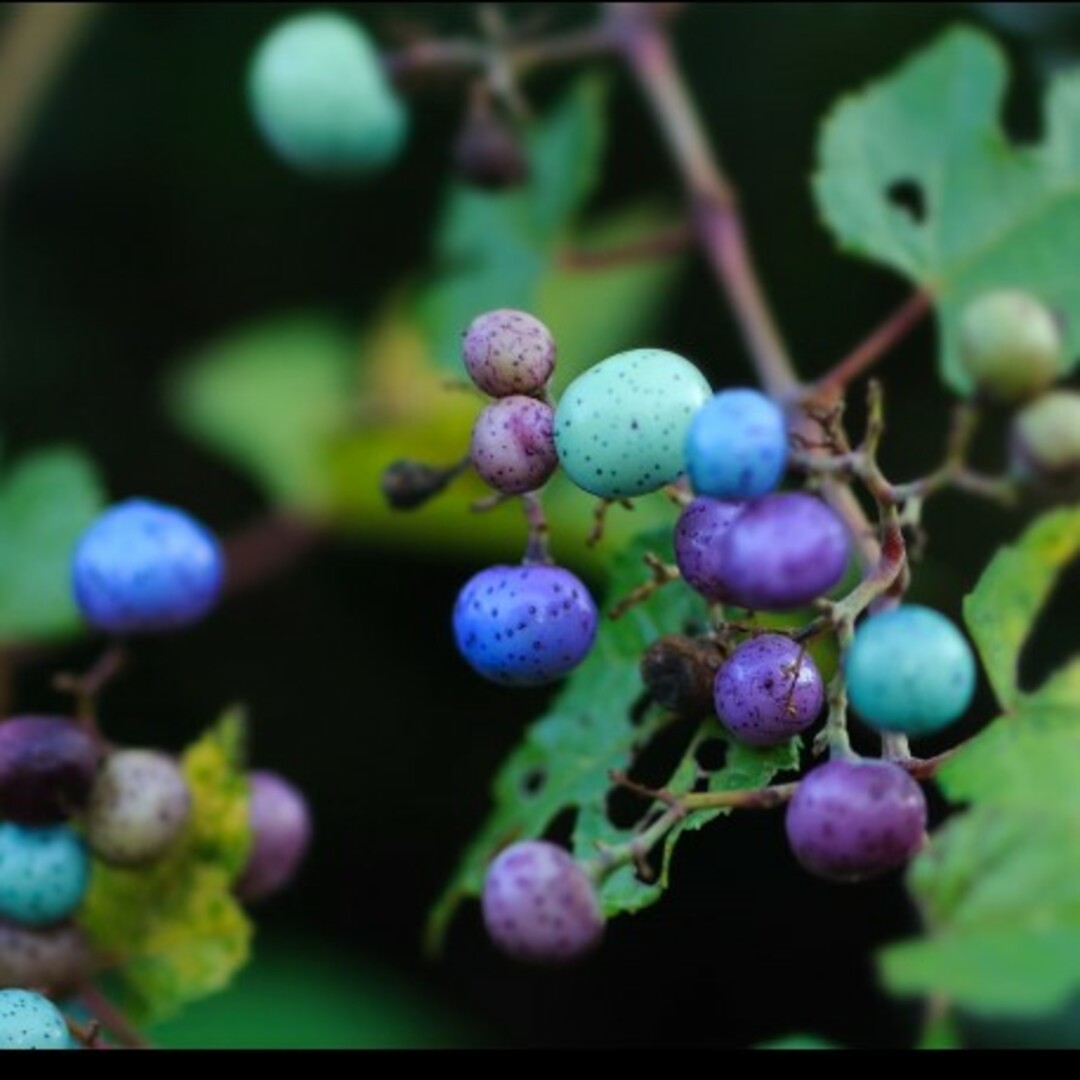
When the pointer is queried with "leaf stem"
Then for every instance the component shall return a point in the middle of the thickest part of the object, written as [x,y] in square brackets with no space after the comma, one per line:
[112,1018]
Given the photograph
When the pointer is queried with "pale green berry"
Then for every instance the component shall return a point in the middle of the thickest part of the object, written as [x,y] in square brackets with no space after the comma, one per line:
[1010,344]
[1045,439]
[621,426]
[321,97]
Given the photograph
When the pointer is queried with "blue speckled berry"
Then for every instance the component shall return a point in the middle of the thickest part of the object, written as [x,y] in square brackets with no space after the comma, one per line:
[539,905]
[697,545]
[30,1021]
[909,670]
[621,426]
[852,819]
[783,551]
[143,566]
[512,448]
[321,98]
[768,690]
[524,625]
[737,446]
[44,873]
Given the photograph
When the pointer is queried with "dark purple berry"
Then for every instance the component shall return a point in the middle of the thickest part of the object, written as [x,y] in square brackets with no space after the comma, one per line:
[700,528]
[540,906]
[47,766]
[280,835]
[512,446]
[768,690]
[855,819]
[508,352]
[679,673]
[783,551]
[487,152]
[524,625]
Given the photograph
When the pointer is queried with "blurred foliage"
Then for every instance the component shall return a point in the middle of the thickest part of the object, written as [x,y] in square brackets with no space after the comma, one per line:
[46,500]
[916,172]
[174,928]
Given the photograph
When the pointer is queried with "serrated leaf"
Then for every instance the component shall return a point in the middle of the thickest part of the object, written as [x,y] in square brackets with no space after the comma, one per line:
[46,500]
[175,928]
[993,214]
[565,757]
[1002,609]
[1000,892]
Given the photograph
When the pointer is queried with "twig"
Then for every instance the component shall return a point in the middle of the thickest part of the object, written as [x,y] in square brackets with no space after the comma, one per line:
[111,1018]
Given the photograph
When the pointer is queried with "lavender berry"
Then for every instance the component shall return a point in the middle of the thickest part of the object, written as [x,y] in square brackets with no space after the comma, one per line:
[143,566]
[783,551]
[58,959]
[508,352]
[539,906]
[280,835]
[524,625]
[512,447]
[698,532]
[853,819]
[768,690]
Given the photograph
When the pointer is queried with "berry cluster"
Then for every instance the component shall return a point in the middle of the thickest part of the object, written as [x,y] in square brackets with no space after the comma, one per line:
[70,799]
[636,423]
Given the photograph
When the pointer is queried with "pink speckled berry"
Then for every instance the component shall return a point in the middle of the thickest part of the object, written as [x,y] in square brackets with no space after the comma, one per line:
[768,690]
[508,352]
[281,829]
[697,544]
[856,819]
[512,447]
[539,905]
[524,625]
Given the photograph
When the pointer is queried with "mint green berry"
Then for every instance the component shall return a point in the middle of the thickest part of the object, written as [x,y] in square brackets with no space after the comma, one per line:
[621,426]
[321,98]
[1044,443]
[1010,344]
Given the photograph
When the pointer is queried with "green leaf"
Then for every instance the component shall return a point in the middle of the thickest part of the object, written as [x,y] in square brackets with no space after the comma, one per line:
[46,500]
[174,927]
[1004,605]
[497,248]
[269,397]
[994,214]
[1000,892]
[563,761]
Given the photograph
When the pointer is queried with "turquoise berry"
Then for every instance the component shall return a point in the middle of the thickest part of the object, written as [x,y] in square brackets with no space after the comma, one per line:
[30,1021]
[620,426]
[737,446]
[321,98]
[44,873]
[909,670]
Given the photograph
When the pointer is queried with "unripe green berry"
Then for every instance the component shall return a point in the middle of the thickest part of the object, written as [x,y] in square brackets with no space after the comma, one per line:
[1010,344]
[321,98]
[1045,439]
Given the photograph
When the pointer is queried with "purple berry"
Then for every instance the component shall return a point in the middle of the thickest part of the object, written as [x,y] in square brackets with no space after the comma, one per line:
[697,544]
[57,959]
[524,625]
[783,551]
[280,835]
[851,820]
[539,906]
[768,690]
[513,448]
[508,352]
[47,766]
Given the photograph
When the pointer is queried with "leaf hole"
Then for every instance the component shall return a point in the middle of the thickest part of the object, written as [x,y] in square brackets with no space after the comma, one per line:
[532,783]
[711,754]
[1055,637]
[652,768]
[908,195]
[561,829]
[640,709]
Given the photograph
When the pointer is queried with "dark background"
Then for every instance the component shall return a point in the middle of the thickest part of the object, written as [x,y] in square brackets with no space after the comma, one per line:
[146,218]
